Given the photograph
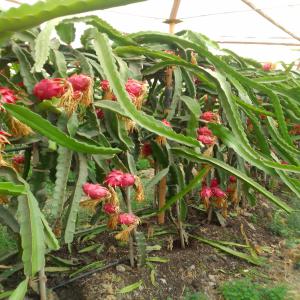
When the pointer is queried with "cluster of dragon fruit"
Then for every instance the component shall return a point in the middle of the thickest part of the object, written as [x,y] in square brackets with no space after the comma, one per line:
[78,91]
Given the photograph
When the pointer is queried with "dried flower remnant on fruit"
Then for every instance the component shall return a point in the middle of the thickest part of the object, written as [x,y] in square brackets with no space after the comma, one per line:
[17,128]
[3,141]
[112,210]
[139,190]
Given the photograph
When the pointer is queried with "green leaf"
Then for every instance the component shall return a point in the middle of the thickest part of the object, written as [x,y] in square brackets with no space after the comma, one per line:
[50,239]
[25,67]
[26,16]
[231,141]
[74,205]
[66,32]
[157,178]
[219,246]
[106,59]
[32,235]
[59,61]
[20,292]
[141,248]
[157,259]
[64,160]
[131,287]
[45,128]
[42,45]
[5,295]
[9,188]
[84,62]
[111,105]
[192,105]
[93,265]
[104,27]
[176,93]
[7,218]
[194,156]
[224,68]
[90,248]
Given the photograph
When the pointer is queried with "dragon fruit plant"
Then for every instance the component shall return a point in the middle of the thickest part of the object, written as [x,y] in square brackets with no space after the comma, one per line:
[214,128]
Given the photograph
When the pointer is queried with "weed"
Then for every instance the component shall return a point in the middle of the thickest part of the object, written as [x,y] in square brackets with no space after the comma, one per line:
[143,164]
[194,296]
[247,290]
[7,243]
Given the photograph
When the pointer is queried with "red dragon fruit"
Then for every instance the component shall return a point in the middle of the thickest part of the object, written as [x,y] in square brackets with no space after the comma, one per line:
[208,116]
[206,140]
[218,193]
[127,219]
[205,192]
[80,82]
[19,159]
[214,182]
[204,131]
[104,84]
[146,149]
[168,124]
[127,180]
[134,87]
[110,208]
[232,179]
[7,95]
[95,191]
[118,178]
[49,88]
[267,66]
[100,113]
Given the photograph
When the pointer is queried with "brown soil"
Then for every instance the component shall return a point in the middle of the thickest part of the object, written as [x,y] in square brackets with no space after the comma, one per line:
[199,267]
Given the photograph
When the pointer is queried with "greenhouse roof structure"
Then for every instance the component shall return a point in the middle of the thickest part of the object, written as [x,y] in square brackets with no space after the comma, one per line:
[232,23]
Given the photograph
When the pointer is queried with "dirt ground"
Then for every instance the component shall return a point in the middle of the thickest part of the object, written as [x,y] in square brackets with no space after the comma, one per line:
[199,267]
